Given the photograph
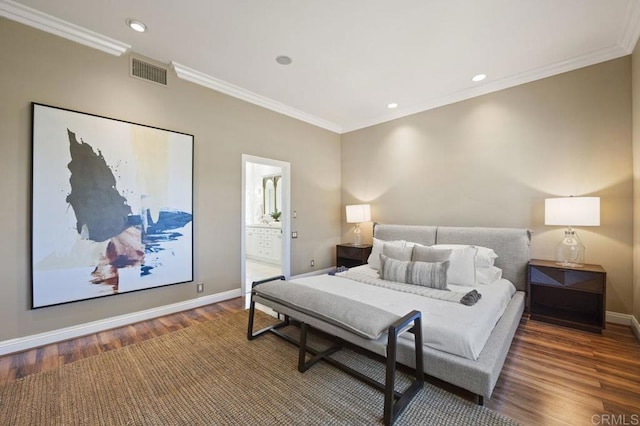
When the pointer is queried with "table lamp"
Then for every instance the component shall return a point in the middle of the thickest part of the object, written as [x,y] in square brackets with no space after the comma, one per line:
[570,212]
[357,214]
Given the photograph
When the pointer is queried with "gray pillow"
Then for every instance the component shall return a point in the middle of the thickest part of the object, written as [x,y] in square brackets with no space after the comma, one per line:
[374,258]
[398,253]
[428,254]
[427,274]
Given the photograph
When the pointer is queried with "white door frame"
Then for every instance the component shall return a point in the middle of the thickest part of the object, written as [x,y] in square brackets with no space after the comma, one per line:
[285,218]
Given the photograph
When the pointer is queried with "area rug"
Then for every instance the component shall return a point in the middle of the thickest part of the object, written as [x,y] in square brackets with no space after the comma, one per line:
[209,374]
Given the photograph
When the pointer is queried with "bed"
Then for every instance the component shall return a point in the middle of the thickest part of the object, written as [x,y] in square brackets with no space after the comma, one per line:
[463,345]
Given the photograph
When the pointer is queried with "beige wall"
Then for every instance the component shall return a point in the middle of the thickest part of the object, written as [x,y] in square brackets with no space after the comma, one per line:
[492,160]
[635,67]
[47,69]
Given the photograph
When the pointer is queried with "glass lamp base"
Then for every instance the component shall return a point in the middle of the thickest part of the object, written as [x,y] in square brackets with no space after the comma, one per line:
[570,264]
[570,251]
[357,239]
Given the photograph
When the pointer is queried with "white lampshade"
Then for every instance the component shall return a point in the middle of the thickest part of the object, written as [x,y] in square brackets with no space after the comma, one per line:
[358,213]
[572,211]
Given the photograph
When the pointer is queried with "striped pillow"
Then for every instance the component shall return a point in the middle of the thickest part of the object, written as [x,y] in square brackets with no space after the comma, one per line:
[427,274]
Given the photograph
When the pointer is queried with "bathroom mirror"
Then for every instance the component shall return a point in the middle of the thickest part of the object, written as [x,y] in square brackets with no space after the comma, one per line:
[271,193]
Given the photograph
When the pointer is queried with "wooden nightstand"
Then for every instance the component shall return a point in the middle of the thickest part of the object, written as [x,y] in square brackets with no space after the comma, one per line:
[573,297]
[350,255]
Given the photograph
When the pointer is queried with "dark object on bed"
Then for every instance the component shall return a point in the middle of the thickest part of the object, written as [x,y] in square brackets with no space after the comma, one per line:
[300,298]
[471,298]
[338,270]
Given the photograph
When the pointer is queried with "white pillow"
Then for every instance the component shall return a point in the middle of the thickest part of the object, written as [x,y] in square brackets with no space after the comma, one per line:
[488,275]
[374,258]
[462,270]
[485,256]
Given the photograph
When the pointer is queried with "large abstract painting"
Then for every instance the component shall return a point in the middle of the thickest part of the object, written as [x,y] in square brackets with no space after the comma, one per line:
[112,207]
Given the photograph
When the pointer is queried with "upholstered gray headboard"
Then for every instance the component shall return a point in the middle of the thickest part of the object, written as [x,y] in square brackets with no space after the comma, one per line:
[510,244]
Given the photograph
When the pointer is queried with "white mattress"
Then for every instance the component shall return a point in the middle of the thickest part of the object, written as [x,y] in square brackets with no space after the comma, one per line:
[446,326]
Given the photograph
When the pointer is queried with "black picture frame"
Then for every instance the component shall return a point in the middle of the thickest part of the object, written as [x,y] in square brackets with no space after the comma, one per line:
[111,206]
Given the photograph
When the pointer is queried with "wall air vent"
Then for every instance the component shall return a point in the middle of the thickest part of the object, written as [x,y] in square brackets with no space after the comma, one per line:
[148,72]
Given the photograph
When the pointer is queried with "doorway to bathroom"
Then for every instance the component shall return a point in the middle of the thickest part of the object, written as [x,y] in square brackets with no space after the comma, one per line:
[265,220]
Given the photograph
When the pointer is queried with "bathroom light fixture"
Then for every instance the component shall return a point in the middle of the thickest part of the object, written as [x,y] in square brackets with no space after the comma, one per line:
[392,105]
[571,211]
[479,77]
[357,214]
[283,60]
[136,25]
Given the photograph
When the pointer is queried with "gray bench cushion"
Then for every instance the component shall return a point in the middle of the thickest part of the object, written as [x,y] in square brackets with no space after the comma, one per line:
[356,317]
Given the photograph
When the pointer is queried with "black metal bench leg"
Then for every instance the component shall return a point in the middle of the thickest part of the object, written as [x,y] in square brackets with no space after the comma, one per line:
[390,381]
[393,408]
[417,333]
[252,312]
[302,349]
[303,364]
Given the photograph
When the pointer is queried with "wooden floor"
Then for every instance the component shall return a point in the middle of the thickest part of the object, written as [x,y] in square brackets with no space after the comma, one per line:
[552,375]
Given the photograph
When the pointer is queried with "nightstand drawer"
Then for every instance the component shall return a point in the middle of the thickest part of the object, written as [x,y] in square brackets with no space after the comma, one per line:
[569,279]
[350,255]
[351,252]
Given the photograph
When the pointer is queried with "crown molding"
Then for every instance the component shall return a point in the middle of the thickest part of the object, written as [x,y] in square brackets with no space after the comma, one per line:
[34,18]
[197,77]
[631,30]
[592,58]
[42,21]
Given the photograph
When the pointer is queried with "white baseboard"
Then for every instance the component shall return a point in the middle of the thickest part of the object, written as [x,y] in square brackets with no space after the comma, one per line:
[37,340]
[618,318]
[635,326]
[624,319]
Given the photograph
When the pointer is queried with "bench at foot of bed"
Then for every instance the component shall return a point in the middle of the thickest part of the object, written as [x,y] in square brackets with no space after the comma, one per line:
[343,313]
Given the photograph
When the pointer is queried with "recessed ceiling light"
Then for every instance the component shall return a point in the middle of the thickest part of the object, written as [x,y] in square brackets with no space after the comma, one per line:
[392,105]
[479,77]
[136,25]
[283,60]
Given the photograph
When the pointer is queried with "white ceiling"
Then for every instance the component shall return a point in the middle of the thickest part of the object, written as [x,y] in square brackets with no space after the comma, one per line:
[350,57]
